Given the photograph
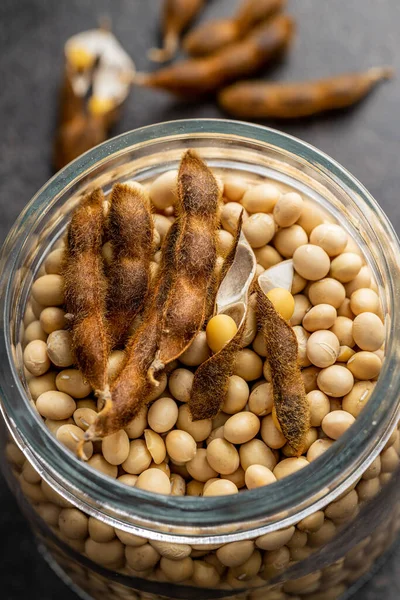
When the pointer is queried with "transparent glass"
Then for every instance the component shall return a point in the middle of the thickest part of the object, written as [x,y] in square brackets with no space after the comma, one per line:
[255,152]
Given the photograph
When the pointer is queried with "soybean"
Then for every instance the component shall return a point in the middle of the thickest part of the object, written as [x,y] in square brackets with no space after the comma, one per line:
[241,427]
[154,480]
[368,331]
[321,316]
[36,359]
[336,423]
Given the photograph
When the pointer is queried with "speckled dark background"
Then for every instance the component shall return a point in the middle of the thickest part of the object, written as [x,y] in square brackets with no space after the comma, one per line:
[333,35]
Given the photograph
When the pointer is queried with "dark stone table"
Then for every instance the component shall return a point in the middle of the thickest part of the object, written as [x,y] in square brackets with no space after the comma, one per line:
[333,35]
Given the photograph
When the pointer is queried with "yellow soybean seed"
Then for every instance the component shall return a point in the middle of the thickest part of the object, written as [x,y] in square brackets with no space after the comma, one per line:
[220,330]
[283,302]
[80,58]
[98,106]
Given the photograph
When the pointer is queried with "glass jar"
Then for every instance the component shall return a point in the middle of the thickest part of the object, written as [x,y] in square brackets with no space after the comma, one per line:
[313,535]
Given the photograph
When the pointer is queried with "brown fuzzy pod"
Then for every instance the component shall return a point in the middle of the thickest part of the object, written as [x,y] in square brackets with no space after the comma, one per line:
[76,136]
[262,100]
[177,15]
[85,290]
[131,388]
[291,405]
[194,261]
[130,232]
[211,380]
[213,35]
[205,75]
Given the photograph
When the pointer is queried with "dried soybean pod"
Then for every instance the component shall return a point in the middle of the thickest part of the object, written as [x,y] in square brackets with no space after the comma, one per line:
[76,136]
[131,388]
[177,15]
[211,379]
[194,262]
[252,12]
[258,99]
[205,75]
[130,232]
[70,104]
[291,405]
[85,291]
[94,60]
[215,34]
[73,136]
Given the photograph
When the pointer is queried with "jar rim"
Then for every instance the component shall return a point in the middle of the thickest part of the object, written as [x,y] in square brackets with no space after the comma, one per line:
[289,499]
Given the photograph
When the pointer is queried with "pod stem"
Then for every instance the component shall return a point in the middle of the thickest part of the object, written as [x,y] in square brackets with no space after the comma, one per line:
[378,73]
[167,52]
[156,367]
[104,396]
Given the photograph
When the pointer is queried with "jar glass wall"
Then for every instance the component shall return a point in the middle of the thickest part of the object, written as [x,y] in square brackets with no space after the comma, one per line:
[294,547]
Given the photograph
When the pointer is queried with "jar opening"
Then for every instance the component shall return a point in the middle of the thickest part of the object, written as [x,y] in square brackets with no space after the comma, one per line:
[225,145]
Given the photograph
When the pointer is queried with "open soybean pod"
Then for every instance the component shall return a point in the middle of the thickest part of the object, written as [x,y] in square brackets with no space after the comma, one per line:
[130,389]
[177,15]
[205,75]
[211,379]
[94,61]
[217,33]
[195,258]
[290,401]
[258,99]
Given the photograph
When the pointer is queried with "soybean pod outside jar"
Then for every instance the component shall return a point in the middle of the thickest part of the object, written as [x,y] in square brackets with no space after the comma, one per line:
[312,535]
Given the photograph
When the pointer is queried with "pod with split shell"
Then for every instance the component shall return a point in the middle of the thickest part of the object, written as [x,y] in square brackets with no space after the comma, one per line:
[215,34]
[95,62]
[219,276]
[177,15]
[211,379]
[263,100]
[194,77]
[131,388]
[197,212]
[194,262]
[290,401]
[85,291]
[130,232]
[76,135]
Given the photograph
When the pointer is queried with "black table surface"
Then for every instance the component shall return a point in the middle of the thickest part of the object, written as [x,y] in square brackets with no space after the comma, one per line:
[332,36]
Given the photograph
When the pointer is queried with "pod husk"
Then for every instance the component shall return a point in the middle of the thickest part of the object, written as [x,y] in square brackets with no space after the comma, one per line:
[85,291]
[218,276]
[130,232]
[194,261]
[211,380]
[132,387]
[290,401]
[108,75]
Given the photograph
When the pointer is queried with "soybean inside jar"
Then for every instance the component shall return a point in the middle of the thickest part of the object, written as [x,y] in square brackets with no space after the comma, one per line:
[330,509]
